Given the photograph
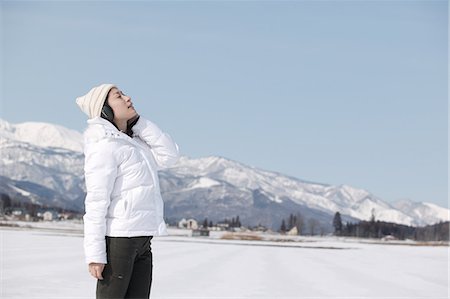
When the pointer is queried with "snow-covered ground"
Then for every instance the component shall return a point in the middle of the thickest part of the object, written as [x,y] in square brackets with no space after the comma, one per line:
[48,263]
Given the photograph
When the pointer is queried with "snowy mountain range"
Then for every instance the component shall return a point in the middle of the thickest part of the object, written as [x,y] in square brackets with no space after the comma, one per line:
[43,163]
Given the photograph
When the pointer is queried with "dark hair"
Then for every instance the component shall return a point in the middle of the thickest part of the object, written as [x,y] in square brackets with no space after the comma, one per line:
[108,114]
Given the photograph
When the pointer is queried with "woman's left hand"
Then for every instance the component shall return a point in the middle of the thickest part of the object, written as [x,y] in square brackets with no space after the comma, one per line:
[96,270]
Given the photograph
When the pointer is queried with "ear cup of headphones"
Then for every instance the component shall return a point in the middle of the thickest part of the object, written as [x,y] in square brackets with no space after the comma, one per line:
[107,112]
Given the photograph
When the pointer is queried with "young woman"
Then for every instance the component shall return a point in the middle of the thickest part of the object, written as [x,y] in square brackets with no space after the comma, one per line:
[124,208]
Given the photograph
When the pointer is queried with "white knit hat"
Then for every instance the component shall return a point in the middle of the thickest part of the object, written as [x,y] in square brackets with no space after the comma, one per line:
[92,102]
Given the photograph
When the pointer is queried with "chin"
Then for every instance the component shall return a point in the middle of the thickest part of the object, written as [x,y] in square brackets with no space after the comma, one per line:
[132,116]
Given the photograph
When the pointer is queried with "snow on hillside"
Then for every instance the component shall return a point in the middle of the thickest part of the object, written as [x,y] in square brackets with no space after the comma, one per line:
[203,182]
[51,156]
[425,212]
[357,203]
[42,134]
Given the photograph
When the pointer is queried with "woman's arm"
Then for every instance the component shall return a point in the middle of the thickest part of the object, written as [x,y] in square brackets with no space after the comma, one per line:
[164,149]
[100,170]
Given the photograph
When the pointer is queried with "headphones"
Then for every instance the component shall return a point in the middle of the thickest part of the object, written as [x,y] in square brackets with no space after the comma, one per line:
[107,112]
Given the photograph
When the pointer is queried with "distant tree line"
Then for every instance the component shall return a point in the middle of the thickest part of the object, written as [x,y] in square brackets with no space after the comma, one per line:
[299,222]
[291,222]
[8,204]
[234,222]
[380,229]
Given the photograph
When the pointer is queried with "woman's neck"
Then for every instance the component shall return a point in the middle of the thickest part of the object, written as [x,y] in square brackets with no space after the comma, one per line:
[122,125]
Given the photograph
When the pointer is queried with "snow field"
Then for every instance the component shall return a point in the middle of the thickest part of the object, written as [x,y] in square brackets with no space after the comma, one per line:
[43,264]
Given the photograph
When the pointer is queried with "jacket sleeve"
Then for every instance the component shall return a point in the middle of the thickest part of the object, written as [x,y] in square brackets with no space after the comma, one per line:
[164,149]
[100,171]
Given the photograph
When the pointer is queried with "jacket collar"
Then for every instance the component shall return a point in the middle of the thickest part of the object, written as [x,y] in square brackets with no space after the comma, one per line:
[99,128]
[102,122]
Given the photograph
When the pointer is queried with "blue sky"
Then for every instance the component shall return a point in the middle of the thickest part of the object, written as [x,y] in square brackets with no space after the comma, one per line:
[336,92]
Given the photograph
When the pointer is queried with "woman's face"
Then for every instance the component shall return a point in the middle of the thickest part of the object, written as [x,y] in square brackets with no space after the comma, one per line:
[121,105]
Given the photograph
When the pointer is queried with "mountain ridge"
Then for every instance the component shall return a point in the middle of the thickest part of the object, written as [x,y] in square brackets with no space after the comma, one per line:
[196,187]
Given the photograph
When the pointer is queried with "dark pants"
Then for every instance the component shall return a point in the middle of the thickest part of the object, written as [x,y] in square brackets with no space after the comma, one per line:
[128,273]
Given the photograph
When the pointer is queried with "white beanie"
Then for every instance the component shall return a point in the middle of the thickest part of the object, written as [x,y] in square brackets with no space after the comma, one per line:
[92,102]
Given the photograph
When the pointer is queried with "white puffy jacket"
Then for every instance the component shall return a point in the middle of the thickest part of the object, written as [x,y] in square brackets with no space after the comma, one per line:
[123,198]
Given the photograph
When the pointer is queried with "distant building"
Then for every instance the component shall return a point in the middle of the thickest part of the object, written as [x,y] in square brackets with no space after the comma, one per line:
[293,231]
[223,225]
[47,216]
[259,228]
[40,213]
[19,214]
[189,224]
[66,215]
[50,215]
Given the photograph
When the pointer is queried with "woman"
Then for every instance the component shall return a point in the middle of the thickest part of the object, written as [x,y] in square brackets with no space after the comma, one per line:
[124,208]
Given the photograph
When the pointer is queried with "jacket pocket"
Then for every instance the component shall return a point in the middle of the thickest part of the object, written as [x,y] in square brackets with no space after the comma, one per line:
[118,208]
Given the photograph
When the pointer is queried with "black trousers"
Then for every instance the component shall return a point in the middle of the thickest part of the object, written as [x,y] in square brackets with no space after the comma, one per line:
[128,273]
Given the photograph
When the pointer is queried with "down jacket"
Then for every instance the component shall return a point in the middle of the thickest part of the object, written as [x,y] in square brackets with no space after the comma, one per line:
[123,198]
